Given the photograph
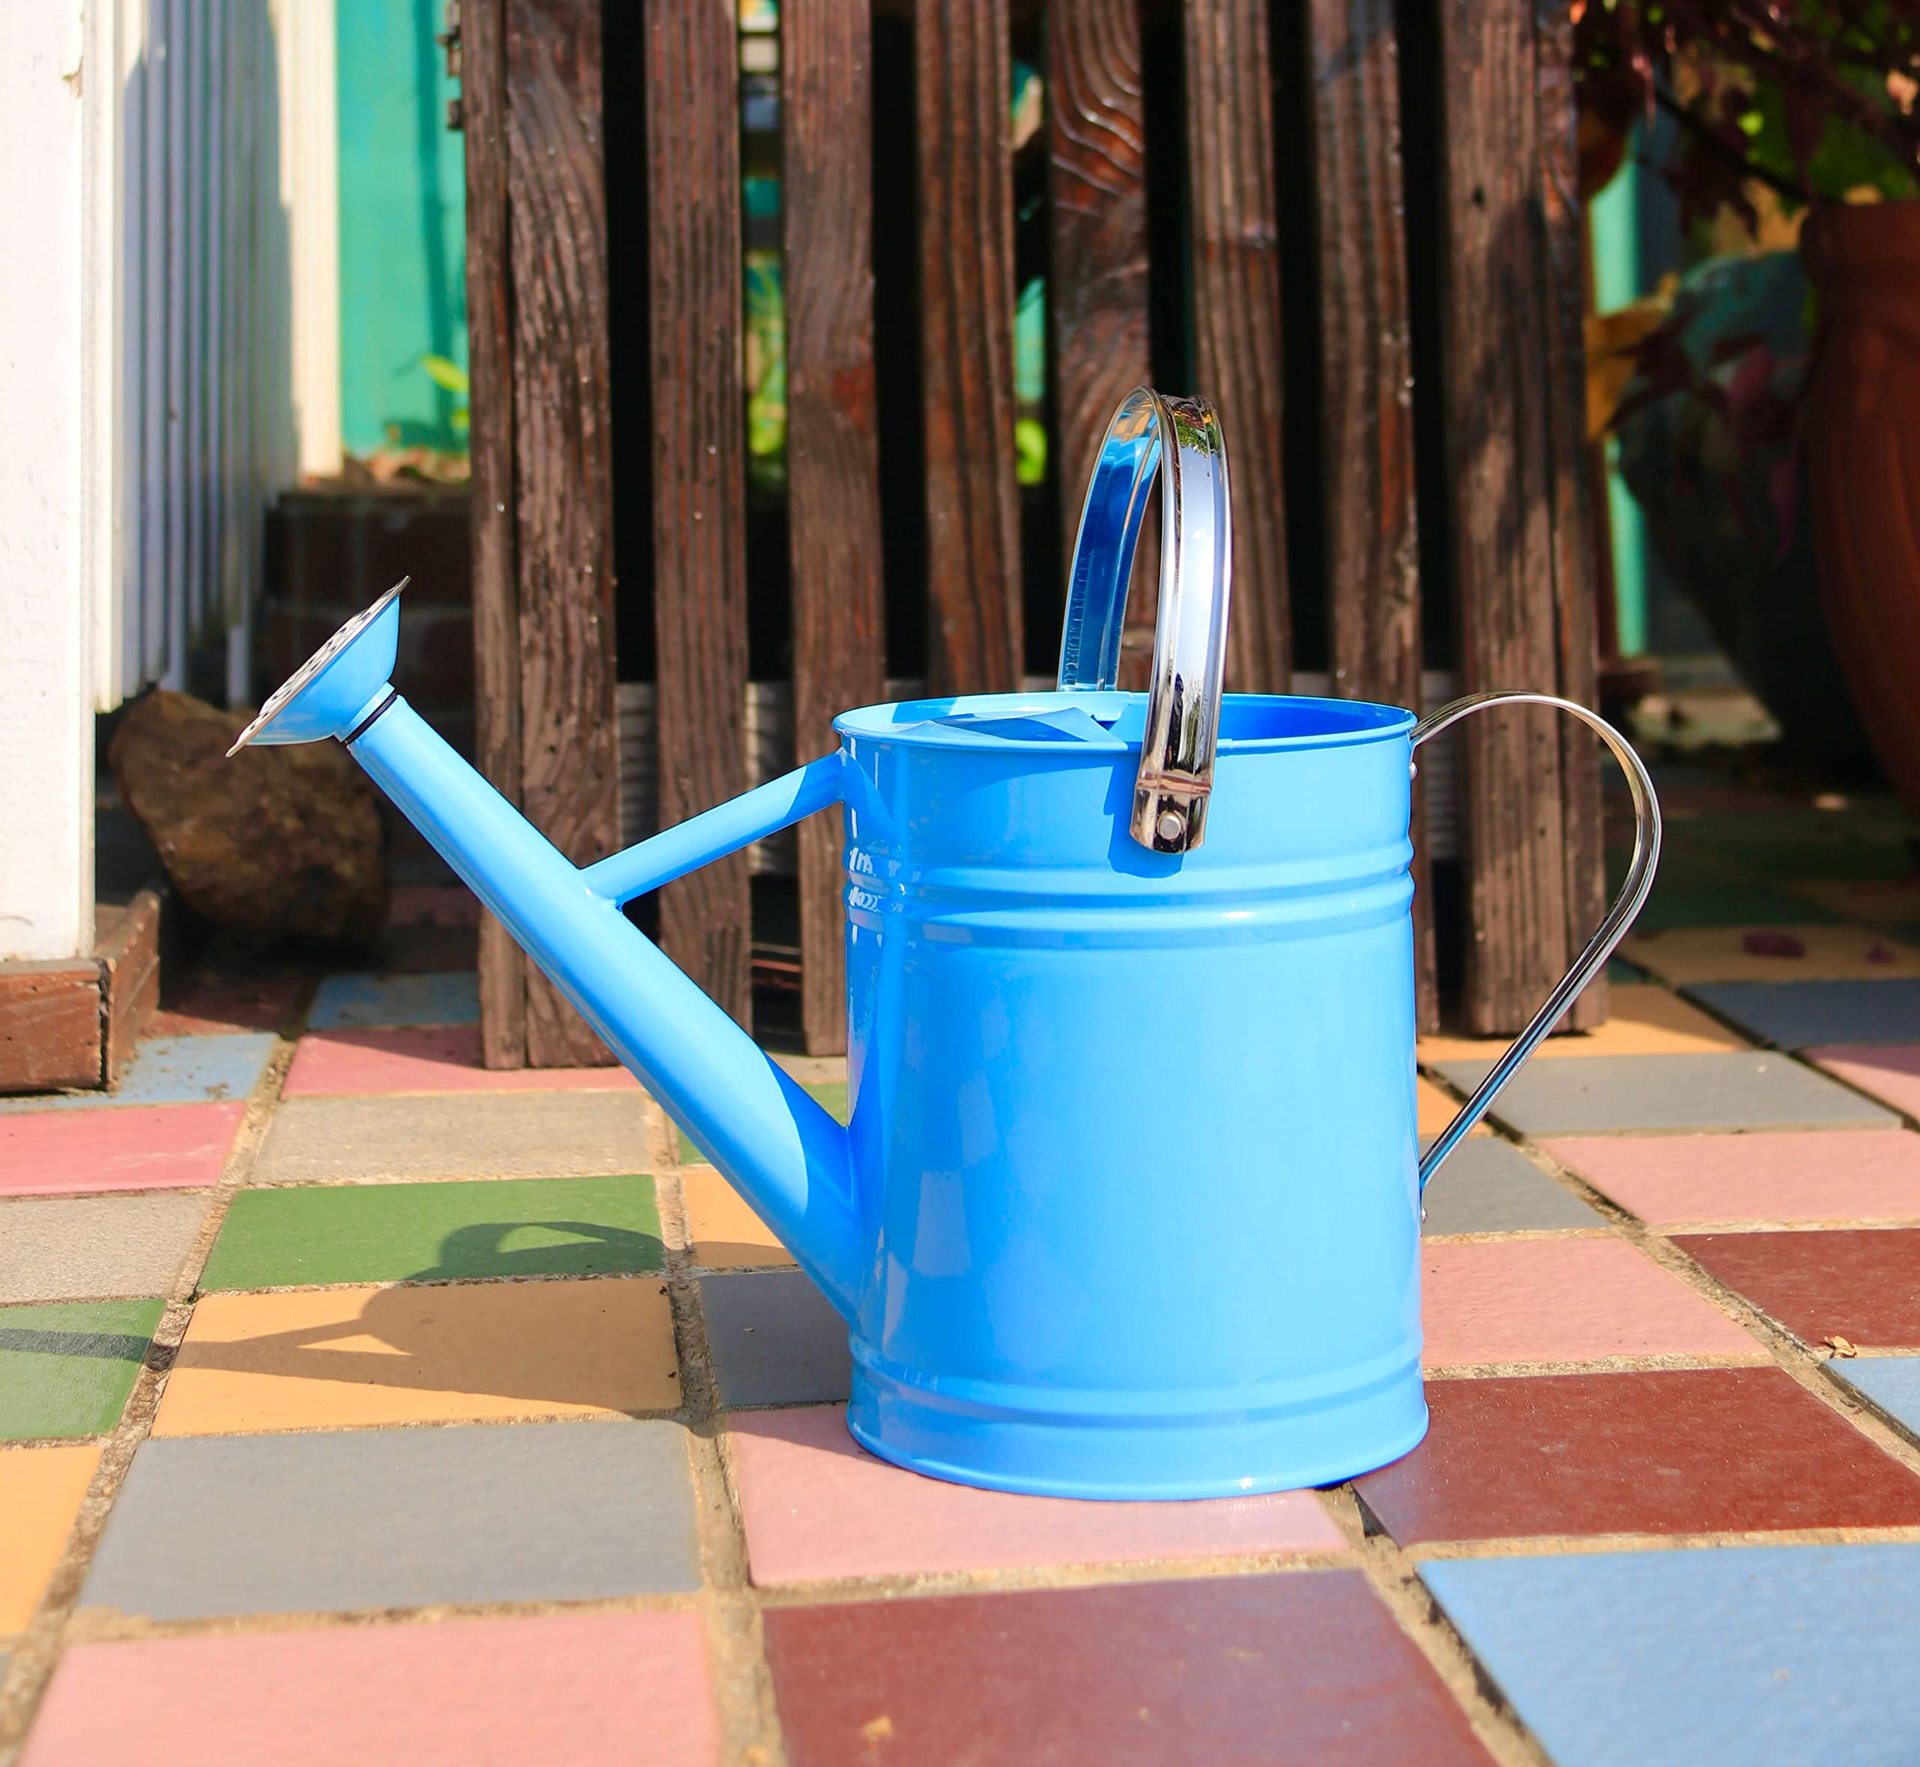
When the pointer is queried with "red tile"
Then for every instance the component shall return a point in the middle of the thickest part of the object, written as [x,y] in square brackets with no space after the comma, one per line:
[1862,1285]
[1681,1451]
[1797,1178]
[132,1147]
[425,1058]
[207,1004]
[1564,1300]
[816,1505]
[568,1689]
[1303,1667]
[1889,1072]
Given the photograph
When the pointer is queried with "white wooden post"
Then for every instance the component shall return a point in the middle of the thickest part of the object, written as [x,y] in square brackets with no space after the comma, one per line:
[47,385]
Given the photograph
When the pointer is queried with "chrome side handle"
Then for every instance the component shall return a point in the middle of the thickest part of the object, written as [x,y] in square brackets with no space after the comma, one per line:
[1151,431]
[1631,899]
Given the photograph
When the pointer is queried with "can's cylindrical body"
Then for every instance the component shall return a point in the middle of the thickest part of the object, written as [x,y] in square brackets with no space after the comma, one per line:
[1133,1133]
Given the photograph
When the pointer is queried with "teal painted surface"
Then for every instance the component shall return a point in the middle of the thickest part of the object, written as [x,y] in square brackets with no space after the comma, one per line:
[1617,281]
[402,226]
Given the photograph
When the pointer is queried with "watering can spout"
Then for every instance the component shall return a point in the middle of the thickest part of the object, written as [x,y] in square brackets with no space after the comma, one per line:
[779,1147]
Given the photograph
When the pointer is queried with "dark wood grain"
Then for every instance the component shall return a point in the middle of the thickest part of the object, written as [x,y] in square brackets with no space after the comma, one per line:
[1370,525]
[1579,549]
[496,593]
[833,474]
[699,482]
[1504,512]
[1234,233]
[965,176]
[1097,153]
[562,420]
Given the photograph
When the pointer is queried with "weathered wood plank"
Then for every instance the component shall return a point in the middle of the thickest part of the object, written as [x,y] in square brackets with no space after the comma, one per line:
[699,481]
[1234,232]
[961,78]
[1371,529]
[569,757]
[1578,550]
[1498,320]
[1098,293]
[833,470]
[496,592]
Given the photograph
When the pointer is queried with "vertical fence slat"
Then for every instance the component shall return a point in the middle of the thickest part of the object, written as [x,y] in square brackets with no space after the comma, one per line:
[1578,546]
[1098,293]
[1371,533]
[563,504]
[699,479]
[961,78]
[1234,233]
[173,643]
[833,473]
[1497,357]
[496,590]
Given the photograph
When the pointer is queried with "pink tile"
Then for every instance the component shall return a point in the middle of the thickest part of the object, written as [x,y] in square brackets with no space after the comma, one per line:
[818,1506]
[1889,1071]
[425,1058]
[1797,1180]
[1564,1300]
[132,1147]
[567,1689]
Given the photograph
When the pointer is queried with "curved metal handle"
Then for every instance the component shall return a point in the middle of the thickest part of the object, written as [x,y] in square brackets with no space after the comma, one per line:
[1632,897]
[1196,576]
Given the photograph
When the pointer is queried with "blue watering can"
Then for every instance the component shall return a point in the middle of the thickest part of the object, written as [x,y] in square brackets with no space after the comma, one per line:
[1120,967]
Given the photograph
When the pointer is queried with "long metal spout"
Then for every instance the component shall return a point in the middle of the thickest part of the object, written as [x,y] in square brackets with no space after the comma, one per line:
[787,1156]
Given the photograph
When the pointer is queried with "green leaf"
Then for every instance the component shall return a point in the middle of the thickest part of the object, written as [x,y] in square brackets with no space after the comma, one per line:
[445,373]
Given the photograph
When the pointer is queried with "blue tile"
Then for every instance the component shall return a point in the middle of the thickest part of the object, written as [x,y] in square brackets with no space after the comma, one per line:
[1891,1382]
[1796,1015]
[174,1070]
[775,1340]
[364,1002]
[1725,1657]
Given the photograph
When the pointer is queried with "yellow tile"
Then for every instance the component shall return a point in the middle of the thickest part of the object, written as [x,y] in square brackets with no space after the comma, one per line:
[726,1233]
[362,1356]
[1644,1020]
[1877,901]
[1722,954]
[1434,1109]
[40,1493]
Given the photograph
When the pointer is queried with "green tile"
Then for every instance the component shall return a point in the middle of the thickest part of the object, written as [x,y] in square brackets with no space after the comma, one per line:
[66,1369]
[832,1094]
[1675,905]
[432,1232]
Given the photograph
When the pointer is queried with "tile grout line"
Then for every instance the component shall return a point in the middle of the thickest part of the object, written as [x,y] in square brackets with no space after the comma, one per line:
[36,1652]
[742,1678]
[1395,1581]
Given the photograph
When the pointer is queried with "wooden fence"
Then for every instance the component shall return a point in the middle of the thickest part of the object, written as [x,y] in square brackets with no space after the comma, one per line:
[1353,224]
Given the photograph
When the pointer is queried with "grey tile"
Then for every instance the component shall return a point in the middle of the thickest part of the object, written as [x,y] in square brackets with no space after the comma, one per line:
[1795,1015]
[1605,1094]
[775,1340]
[1490,1186]
[79,1248]
[504,1135]
[398,1518]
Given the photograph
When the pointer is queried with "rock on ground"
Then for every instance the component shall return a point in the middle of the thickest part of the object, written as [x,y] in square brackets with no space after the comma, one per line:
[278,840]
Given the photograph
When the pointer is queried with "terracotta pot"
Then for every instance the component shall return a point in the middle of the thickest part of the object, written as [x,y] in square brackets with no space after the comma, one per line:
[1862,443]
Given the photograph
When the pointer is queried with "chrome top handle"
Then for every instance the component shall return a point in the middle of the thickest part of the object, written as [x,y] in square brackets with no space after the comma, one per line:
[1148,433]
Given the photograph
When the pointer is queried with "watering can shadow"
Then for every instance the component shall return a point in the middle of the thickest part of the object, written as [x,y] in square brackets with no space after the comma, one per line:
[414,1335]
[1111,957]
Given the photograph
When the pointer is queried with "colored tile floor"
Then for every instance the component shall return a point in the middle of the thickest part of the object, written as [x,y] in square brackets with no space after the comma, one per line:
[358,1404]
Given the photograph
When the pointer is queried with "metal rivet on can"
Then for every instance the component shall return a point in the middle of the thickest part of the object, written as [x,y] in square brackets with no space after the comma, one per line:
[1171,825]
